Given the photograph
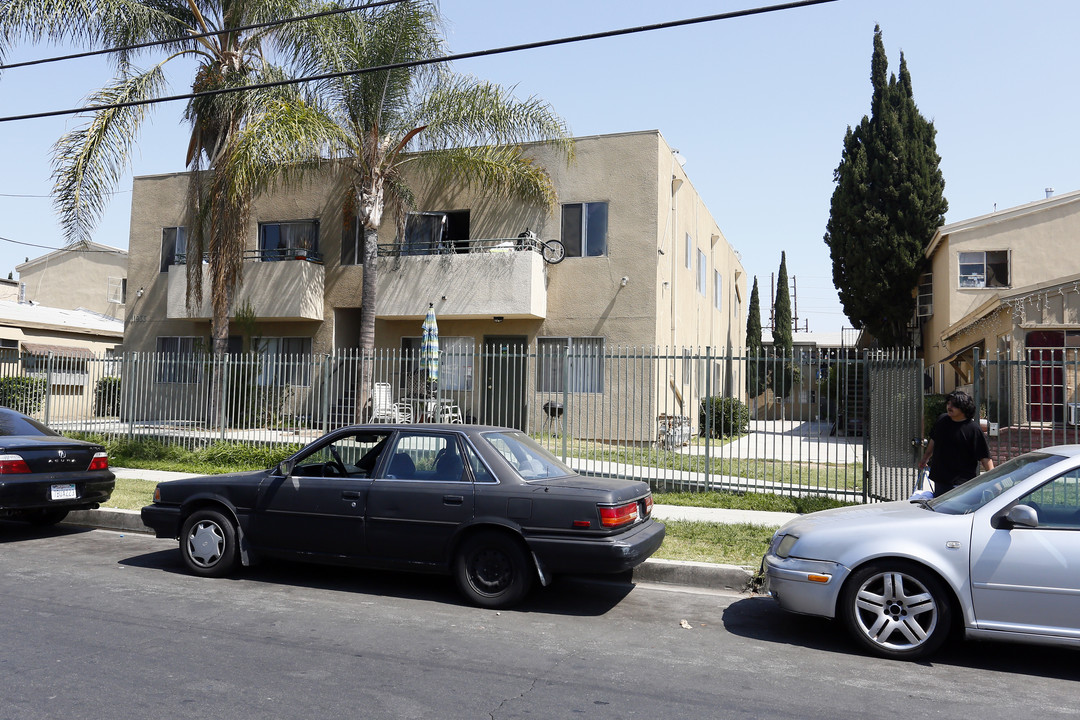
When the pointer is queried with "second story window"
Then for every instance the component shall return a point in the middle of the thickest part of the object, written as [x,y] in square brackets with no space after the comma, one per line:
[288,240]
[352,243]
[116,290]
[984,269]
[173,246]
[718,290]
[702,273]
[584,229]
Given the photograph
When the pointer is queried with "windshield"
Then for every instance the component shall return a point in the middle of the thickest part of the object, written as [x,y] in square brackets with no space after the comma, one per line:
[980,490]
[528,459]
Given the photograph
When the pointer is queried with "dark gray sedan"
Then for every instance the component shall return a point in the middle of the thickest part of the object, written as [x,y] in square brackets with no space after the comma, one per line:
[486,504]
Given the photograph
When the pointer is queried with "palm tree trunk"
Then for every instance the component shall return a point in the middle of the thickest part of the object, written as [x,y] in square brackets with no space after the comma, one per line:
[367,318]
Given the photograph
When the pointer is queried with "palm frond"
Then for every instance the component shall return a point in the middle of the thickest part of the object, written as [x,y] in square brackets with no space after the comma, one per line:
[89,161]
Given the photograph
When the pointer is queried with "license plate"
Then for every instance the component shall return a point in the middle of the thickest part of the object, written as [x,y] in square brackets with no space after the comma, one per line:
[62,492]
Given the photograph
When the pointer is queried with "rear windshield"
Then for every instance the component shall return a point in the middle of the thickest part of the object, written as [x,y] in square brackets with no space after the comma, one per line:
[528,459]
[12,424]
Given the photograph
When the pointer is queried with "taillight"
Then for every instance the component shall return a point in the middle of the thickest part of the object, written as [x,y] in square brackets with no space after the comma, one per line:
[13,465]
[619,515]
[648,505]
[100,461]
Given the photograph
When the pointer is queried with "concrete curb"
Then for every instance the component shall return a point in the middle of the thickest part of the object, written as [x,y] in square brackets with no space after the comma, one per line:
[709,576]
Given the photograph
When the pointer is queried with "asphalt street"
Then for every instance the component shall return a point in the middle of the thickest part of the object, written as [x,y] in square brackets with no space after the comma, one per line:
[104,624]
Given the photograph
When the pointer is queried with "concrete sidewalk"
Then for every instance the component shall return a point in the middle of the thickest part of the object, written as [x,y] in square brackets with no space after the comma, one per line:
[692,574]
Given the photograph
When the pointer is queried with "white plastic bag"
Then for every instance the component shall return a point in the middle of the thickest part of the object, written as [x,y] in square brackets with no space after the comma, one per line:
[924,488]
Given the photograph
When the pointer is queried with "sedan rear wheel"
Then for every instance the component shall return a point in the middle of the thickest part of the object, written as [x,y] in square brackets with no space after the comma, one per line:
[896,610]
[208,543]
[492,570]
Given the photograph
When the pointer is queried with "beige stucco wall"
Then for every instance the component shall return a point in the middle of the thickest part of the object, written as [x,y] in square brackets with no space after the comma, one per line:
[1041,241]
[75,279]
[659,304]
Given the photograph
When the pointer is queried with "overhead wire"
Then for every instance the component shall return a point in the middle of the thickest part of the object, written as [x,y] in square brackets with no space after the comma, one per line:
[196,36]
[429,61]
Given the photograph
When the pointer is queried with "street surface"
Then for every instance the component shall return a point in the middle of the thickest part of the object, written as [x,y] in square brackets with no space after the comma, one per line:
[99,624]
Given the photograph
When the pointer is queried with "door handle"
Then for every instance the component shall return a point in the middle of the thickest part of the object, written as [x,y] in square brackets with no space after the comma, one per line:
[453,500]
[350,495]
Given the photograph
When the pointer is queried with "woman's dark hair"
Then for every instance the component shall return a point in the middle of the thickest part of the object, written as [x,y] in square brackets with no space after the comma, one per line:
[962,402]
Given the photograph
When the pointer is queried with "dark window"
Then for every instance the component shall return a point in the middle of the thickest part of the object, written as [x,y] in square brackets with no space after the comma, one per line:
[173,246]
[584,229]
[574,363]
[178,362]
[288,240]
[352,243]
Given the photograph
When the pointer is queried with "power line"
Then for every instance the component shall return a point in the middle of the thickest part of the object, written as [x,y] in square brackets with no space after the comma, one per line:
[68,248]
[430,61]
[196,36]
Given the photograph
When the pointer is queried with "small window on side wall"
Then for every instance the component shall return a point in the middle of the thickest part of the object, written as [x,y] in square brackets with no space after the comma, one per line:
[984,269]
[584,229]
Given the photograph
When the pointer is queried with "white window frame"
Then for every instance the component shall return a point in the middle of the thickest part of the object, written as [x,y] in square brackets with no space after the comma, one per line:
[116,290]
[718,290]
[688,251]
[977,264]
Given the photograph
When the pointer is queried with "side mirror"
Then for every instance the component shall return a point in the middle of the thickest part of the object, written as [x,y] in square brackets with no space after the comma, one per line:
[1023,516]
[285,467]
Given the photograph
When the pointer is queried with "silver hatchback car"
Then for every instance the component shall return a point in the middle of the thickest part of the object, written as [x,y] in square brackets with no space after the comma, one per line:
[998,556]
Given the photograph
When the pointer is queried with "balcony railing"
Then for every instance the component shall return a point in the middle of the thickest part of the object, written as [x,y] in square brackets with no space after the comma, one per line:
[551,250]
[265,255]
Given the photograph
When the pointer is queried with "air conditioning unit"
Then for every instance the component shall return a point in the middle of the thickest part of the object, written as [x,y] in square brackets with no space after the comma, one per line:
[1072,413]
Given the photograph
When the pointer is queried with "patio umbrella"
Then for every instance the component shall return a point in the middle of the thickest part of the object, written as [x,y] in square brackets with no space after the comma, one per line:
[429,348]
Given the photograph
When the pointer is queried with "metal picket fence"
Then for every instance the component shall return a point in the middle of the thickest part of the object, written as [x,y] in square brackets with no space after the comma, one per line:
[681,419]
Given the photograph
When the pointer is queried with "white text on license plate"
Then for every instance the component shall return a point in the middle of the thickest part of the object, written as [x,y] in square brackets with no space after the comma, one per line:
[62,492]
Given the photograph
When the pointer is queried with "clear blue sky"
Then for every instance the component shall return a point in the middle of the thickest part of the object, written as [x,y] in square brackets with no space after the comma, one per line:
[758,106]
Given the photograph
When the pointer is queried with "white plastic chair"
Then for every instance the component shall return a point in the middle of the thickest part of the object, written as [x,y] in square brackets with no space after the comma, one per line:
[450,414]
[383,408]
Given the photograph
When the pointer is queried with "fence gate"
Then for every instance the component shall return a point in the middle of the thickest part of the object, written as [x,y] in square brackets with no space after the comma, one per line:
[892,442]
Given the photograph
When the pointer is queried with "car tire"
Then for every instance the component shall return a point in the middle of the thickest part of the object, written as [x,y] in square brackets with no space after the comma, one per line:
[208,543]
[493,570]
[43,518]
[896,610]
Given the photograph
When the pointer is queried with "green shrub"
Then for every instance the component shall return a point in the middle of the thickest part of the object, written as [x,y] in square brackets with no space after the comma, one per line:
[24,394]
[723,416]
[107,397]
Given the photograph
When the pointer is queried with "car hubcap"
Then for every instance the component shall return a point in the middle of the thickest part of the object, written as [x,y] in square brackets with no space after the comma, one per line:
[205,543]
[895,611]
[490,571]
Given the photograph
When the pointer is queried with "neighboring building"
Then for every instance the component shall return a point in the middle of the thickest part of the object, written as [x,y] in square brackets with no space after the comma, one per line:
[1006,285]
[93,278]
[815,354]
[9,289]
[71,349]
[646,266]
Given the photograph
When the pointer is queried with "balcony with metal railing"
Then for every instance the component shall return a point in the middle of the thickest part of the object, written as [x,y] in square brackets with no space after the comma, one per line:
[279,284]
[476,278]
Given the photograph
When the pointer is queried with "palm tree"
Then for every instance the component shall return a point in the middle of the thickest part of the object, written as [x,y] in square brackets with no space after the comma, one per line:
[241,142]
[422,115]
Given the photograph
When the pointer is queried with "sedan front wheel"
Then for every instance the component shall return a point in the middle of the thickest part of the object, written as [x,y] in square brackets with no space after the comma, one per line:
[896,610]
[208,543]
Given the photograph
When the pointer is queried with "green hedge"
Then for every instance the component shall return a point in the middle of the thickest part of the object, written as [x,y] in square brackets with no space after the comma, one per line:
[24,394]
[723,417]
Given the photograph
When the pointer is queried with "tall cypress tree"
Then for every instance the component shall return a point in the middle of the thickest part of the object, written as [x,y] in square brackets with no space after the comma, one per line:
[783,371]
[755,363]
[888,201]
